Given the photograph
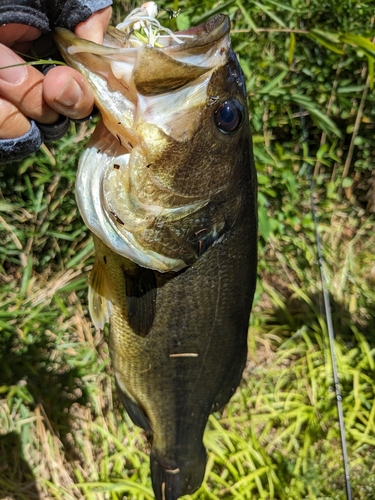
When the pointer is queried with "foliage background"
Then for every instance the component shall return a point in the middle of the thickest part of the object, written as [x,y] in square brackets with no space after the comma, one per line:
[63,432]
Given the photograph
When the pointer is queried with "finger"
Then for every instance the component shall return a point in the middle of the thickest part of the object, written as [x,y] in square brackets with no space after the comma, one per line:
[18,36]
[94,28]
[68,92]
[13,123]
[23,86]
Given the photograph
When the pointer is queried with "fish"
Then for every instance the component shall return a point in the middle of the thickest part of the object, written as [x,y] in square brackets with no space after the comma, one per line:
[167,187]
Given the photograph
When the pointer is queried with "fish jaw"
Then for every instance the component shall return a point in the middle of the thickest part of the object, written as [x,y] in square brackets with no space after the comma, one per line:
[106,224]
[154,101]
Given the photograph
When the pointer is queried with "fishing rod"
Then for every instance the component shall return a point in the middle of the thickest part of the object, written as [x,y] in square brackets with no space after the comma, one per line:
[328,315]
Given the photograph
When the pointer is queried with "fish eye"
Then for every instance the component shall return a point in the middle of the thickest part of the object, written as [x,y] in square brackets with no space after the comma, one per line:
[228,116]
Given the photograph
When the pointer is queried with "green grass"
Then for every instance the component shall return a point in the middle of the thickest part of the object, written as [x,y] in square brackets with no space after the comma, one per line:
[63,432]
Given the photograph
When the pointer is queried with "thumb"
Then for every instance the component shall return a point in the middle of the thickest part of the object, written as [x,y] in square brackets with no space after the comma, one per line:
[94,27]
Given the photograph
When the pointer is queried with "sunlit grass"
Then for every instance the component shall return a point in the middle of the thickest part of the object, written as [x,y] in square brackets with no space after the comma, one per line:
[65,435]
[63,432]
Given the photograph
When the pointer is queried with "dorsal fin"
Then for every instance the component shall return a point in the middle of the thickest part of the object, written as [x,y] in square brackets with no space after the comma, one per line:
[99,296]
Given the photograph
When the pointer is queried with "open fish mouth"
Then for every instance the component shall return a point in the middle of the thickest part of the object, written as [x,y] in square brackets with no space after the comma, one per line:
[153,90]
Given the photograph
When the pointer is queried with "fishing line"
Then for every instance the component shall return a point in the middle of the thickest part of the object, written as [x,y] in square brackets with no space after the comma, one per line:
[328,314]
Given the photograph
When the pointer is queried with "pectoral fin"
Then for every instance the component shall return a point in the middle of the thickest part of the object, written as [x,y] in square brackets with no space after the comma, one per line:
[140,299]
[99,296]
[135,412]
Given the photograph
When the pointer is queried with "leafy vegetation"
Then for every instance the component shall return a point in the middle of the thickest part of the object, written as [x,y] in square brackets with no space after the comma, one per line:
[63,433]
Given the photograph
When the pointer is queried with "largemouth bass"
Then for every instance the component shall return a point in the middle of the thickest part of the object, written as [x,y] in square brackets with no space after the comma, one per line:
[167,186]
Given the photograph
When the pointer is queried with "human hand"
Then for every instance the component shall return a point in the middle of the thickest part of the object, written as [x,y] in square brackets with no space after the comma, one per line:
[26,93]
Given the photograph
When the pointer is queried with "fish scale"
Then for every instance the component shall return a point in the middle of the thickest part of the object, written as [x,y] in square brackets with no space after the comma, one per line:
[209,325]
[176,289]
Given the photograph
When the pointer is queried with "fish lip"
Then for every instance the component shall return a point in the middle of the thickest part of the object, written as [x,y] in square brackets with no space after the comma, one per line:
[205,34]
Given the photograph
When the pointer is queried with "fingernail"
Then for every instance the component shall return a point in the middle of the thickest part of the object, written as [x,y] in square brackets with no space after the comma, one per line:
[8,58]
[70,94]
